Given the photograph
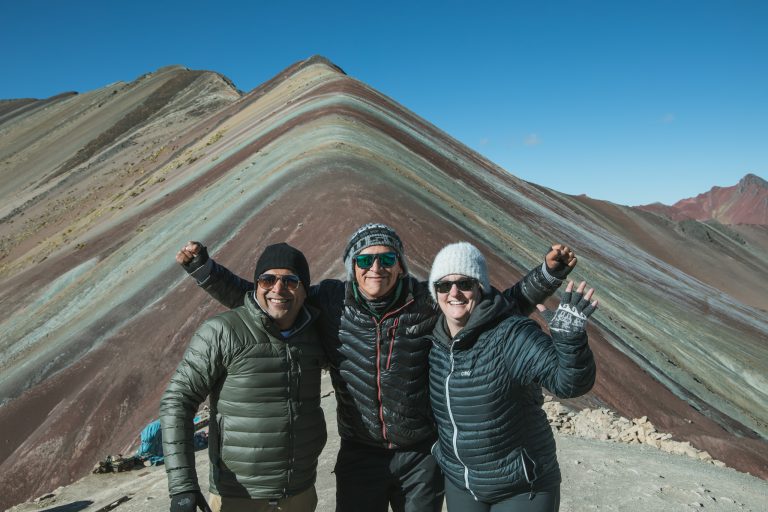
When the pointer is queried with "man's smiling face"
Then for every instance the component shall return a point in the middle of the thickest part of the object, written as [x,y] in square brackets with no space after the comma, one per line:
[377,281]
[279,302]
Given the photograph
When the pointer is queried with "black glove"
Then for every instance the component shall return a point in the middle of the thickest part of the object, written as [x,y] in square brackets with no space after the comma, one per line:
[200,259]
[570,319]
[189,502]
[560,271]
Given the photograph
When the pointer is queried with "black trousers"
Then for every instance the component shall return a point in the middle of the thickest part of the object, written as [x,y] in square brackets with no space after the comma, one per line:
[370,479]
[460,500]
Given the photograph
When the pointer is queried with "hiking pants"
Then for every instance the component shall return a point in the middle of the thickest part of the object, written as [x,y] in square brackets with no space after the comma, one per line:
[370,479]
[304,502]
[460,500]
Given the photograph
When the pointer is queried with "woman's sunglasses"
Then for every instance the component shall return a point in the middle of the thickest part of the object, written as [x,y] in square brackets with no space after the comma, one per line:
[464,285]
[386,260]
[268,281]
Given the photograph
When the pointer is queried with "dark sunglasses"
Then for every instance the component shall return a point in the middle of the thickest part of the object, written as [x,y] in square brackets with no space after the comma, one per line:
[268,281]
[386,259]
[464,285]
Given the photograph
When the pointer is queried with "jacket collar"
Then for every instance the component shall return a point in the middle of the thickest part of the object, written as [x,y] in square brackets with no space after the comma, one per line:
[353,298]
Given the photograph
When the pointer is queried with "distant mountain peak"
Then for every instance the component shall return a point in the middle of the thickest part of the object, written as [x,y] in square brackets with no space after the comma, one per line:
[752,180]
[743,203]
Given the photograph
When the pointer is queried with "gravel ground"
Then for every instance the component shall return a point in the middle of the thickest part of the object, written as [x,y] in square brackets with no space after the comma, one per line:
[597,475]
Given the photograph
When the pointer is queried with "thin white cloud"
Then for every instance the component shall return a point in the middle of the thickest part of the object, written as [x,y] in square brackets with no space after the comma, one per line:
[532,140]
[668,118]
[484,141]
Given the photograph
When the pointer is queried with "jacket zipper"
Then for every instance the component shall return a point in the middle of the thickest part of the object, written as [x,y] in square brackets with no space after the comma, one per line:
[453,423]
[392,330]
[523,456]
[290,420]
[291,373]
[378,364]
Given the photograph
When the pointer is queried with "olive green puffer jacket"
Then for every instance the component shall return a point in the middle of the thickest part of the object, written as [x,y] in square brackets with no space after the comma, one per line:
[267,427]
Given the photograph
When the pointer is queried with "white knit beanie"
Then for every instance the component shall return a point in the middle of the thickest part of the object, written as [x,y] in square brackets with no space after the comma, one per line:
[459,258]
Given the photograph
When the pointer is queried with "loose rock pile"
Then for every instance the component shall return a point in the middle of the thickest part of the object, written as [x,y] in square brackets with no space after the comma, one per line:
[605,425]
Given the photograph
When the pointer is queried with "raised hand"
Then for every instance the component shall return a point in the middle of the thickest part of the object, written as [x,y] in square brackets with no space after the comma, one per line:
[192,256]
[560,260]
[571,315]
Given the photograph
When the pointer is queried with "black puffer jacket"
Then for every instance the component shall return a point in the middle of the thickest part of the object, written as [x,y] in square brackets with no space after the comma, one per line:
[379,367]
[485,386]
[267,428]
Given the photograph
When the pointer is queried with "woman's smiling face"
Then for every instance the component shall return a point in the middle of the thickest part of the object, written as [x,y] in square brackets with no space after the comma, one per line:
[457,304]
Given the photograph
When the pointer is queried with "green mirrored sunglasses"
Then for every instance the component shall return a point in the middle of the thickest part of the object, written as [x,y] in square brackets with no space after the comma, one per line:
[386,259]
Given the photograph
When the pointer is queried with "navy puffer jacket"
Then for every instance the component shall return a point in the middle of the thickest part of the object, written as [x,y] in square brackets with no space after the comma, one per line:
[486,393]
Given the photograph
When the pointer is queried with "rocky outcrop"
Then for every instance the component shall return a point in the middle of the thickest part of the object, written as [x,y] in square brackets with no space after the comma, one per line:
[606,425]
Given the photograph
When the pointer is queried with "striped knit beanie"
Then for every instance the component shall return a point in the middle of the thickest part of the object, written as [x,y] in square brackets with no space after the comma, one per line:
[367,236]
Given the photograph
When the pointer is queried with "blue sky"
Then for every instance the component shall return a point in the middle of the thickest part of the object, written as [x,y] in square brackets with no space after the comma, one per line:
[632,102]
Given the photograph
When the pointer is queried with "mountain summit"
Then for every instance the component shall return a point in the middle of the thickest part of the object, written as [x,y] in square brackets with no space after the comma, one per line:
[743,203]
[99,190]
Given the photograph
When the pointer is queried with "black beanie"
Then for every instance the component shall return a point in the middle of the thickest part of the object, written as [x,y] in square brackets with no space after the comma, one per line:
[283,256]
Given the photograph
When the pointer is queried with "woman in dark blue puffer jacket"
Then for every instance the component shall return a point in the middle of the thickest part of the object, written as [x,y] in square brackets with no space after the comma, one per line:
[487,369]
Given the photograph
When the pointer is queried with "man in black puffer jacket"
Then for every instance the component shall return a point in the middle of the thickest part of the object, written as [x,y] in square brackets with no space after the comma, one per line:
[261,365]
[373,328]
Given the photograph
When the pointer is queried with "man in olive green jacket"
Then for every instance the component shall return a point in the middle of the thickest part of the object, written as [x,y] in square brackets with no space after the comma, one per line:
[261,365]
